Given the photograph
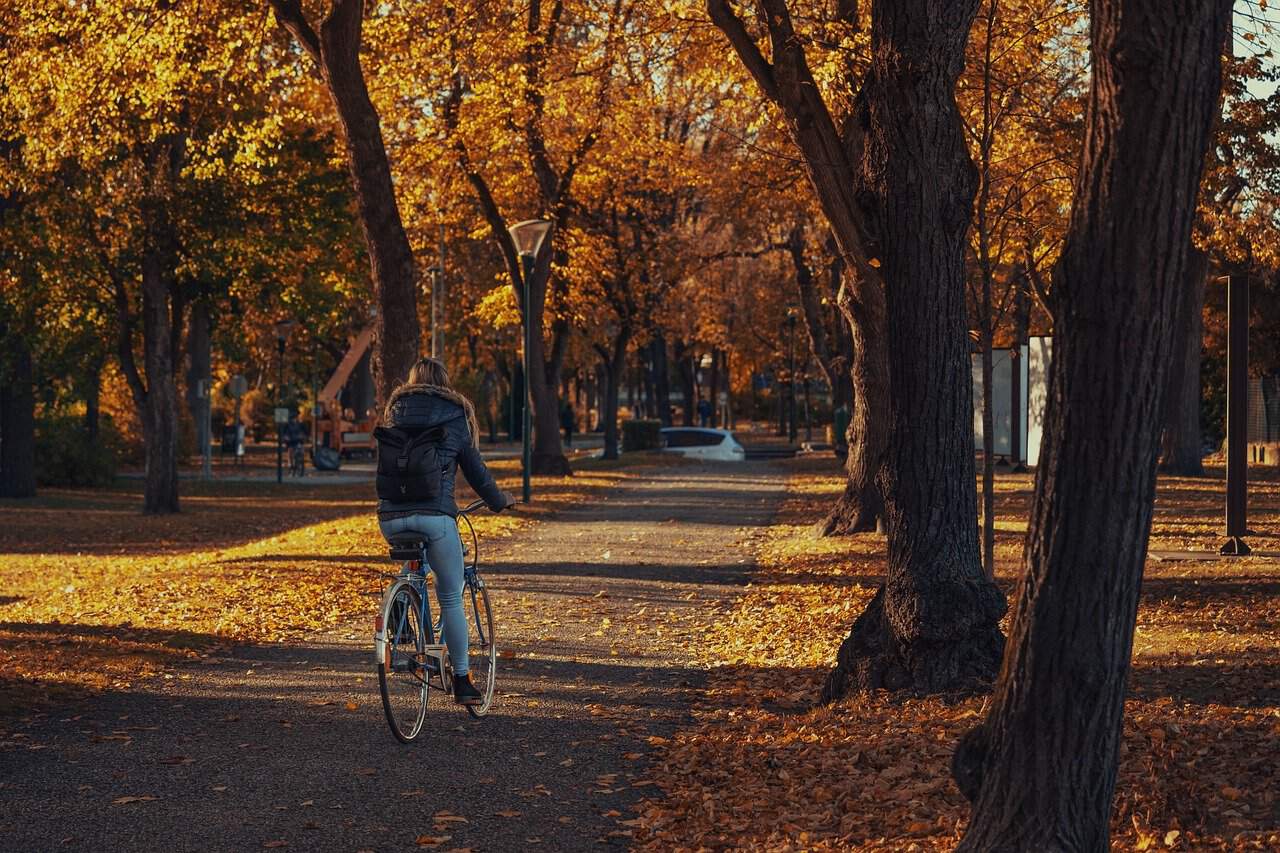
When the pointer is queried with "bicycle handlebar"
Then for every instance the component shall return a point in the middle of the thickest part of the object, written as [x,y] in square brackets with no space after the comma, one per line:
[473,506]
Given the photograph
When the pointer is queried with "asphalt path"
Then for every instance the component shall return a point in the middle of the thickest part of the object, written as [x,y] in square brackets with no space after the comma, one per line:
[285,747]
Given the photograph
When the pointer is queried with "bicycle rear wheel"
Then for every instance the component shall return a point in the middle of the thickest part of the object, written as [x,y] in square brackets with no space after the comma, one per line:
[402,678]
[483,651]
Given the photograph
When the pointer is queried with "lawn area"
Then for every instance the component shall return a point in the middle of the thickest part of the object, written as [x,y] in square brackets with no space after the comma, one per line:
[762,769]
[97,595]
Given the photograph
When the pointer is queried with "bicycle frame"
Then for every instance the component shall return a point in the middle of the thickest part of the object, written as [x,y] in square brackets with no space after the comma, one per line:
[415,573]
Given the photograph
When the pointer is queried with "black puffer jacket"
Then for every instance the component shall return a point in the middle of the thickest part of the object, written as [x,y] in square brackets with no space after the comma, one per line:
[414,408]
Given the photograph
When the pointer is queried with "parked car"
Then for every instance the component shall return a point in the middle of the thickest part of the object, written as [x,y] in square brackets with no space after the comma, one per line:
[703,443]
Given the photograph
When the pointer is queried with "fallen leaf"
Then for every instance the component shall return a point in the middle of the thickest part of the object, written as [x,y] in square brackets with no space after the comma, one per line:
[124,801]
[431,840]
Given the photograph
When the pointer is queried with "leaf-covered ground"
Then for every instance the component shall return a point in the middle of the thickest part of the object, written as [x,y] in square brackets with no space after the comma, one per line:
[97,595]
[762,769]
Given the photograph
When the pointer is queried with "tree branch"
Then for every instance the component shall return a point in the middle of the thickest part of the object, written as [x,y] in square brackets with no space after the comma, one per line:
[289,15]
[748,51]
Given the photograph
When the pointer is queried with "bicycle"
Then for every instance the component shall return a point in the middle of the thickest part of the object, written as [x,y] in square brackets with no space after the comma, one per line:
[297,461]
[410,661]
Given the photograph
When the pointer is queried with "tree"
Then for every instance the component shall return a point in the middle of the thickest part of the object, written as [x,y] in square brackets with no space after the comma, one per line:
[1041,768]
[897,185]
[334,48]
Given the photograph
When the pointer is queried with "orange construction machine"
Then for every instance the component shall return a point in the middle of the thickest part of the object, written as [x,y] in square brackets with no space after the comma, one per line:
[346,415]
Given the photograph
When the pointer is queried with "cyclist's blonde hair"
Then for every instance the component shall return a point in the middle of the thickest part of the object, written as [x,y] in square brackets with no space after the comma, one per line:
[429,371]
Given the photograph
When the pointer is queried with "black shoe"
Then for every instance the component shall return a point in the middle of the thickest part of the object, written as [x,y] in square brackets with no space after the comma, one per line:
[464,692]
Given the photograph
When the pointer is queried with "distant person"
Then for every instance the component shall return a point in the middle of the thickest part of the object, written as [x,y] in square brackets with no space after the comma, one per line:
[704,412]
[294,436]
[427,401]
[294,433]
[567,422]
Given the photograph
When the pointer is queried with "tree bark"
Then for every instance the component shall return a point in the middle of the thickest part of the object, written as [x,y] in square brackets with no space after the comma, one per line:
[1041,769]
[159,410]
[897,188]
[612,362]
[199,367]
[17,422]
[1180,451]
[335,49]
[548,451]
[685,370]
[861,505]
[935,625]
[662,379]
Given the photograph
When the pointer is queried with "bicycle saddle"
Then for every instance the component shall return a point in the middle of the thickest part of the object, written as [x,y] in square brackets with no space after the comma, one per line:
[406,546]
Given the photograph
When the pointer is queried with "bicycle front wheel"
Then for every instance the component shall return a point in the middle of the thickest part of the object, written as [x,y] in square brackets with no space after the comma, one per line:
[482,654]
[402,676]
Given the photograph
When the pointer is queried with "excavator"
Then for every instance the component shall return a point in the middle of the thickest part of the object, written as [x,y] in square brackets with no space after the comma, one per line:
[346,431]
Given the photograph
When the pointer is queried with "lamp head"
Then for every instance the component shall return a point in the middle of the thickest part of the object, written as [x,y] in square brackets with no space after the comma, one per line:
[529,236]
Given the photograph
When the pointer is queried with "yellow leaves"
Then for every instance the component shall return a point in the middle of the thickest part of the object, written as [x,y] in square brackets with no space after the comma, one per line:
[498,308]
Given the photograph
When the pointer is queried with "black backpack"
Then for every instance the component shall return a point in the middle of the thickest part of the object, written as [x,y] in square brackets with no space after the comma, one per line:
[408,464]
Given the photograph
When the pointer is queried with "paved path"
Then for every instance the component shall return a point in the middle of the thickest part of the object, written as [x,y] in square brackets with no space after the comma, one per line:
[260,749]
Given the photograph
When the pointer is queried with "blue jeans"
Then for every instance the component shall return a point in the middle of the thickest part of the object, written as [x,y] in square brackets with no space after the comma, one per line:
[444,555]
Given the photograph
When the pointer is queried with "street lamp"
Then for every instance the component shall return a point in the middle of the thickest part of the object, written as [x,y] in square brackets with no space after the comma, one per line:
[1237,415]
[283,327]
[791,369]
[437,337]
[528,237]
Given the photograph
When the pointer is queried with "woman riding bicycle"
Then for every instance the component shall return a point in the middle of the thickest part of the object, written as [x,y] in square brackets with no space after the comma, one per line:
[427,401]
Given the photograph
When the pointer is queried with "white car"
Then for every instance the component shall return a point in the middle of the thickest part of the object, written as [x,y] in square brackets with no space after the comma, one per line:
[703,443]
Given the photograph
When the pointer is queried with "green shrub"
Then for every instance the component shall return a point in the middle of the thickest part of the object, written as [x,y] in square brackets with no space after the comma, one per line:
[65,456]
[641,435]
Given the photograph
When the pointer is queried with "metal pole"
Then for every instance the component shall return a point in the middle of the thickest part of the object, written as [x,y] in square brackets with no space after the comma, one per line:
[1237,414]
[791,378]
[279,436]
[437,339]
[206,432]
[435,311]
[527,447]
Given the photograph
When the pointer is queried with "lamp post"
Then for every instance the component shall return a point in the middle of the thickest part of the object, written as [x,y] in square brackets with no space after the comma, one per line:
[1237,415]
[528,237]
[283,327]
[437,340]
[791,370]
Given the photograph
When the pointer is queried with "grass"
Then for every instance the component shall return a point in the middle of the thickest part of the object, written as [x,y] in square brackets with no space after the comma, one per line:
[98,596]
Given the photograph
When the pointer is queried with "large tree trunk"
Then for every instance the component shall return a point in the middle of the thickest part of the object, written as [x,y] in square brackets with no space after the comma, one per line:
[544,381]
[662,379]
[1180,451]
[685,370]
[159,409]
[1041,769]
[861,505]
[336,53]
[199,367]
[897,187]
[612,362]
[935,624]
[17,421]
